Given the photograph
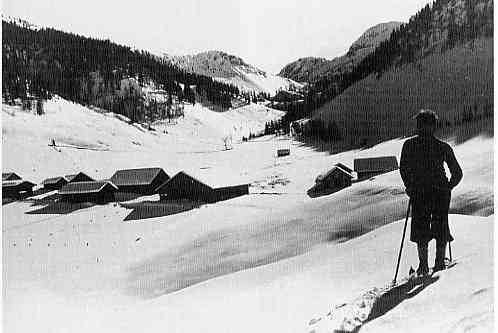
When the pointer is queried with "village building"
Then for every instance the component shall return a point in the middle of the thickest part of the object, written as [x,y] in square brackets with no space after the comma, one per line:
[335,179]
[283,152]
[88,191]
[185,186]
[17,188]
[370,167]
[54,183]
[10,176]
[142,181]
[79,177]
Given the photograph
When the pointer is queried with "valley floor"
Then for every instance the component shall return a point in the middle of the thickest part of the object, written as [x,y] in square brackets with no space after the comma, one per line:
[268,261]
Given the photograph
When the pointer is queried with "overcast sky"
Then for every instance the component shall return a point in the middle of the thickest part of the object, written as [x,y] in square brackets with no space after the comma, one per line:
[265,33]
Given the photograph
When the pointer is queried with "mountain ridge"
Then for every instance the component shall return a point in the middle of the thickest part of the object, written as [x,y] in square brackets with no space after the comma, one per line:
[311,69]
[232,69]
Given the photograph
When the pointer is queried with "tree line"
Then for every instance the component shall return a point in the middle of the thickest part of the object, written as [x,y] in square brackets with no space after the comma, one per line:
[37,64]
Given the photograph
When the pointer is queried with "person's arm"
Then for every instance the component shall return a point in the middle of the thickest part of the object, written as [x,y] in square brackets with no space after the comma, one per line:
[455,170]
[405,167]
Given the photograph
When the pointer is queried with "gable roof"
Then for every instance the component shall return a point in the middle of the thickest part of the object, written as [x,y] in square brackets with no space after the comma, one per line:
[10,176]
[142,176]
[181,174]
[16,183]
[54,180]
[79,175]
[336,168]
[85,187]
[373,164]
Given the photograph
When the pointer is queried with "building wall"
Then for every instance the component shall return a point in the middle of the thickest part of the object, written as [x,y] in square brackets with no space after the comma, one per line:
[56,186]
[184,187]
[101,197]
[225,193]
[366,175]
[16,192]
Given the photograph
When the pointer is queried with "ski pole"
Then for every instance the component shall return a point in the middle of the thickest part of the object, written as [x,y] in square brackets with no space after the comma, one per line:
[402,241]
[449,246]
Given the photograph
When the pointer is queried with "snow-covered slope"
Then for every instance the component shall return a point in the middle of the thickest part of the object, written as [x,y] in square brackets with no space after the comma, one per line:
[89,135]
[233,70]
[269,261]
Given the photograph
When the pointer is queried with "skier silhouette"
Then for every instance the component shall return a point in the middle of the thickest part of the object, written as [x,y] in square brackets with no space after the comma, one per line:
[422,170]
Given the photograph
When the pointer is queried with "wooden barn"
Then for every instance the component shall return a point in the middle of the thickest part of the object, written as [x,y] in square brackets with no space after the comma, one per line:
[335,179]
[54,183]
[10,176]
[88,191]
[369,167]
[17,188]
[141,181]
[185,186]
[79,177]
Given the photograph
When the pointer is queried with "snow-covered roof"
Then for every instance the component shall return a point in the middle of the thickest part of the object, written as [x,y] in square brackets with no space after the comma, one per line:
[10,176]
[16,183]
[85,187]
[80,176]
[336,168]
[53,180]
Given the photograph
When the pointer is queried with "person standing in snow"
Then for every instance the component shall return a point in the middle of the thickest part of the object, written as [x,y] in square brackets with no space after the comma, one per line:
[422,170]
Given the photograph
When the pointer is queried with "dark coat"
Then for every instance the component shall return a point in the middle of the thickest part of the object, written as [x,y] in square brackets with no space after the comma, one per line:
[422,164]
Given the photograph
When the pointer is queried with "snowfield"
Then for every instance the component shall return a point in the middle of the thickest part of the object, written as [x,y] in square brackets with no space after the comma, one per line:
[275,260]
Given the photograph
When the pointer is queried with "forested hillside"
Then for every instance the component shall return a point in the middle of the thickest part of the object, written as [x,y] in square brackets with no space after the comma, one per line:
[432,33]
[311,69]
[38,63]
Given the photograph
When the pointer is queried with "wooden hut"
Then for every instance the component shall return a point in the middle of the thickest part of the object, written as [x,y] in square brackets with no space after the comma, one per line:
[10,176]
[17,188]
[335,179]
[185,186]
[142,181]
[54,183]
[369,167]
[88,191]
[283,152]
[79,177]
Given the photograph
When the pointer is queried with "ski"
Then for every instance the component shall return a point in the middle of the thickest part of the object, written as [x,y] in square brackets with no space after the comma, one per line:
[348,317]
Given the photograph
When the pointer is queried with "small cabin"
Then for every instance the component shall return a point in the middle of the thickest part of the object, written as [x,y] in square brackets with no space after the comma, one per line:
[79,177]
[335,179]
[141,181]
[283,152]
[369,167]
[54,183]
[88,191]
[10,176]
[185,186]
[17,188]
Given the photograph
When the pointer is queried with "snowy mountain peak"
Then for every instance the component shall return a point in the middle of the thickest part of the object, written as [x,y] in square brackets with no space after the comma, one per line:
[232,69]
